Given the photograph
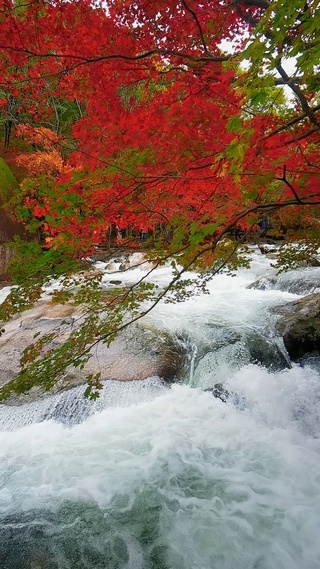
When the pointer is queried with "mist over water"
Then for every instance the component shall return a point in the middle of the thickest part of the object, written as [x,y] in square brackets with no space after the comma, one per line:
[169,477]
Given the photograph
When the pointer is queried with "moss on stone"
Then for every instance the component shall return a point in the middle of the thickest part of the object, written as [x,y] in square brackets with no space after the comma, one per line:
[8,183]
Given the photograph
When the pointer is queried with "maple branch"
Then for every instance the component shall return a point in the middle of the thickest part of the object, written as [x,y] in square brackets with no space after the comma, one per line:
[291,82]
[292,122]
[297,80]
[268,208]
[257,3]
[246,17]
[119,299]
[145,54]
[302,136]
[300,95]
[211,247]
[194,15]
[307,161]
[284,179]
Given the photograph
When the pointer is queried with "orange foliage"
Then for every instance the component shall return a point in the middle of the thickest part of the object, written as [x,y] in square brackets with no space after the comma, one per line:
[39,162]
[40,136]
[47,161]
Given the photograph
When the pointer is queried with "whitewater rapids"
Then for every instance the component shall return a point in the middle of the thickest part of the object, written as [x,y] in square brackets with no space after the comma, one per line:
[160,477]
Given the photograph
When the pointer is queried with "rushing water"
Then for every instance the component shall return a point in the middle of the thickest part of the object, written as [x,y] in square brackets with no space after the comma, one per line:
[159,477]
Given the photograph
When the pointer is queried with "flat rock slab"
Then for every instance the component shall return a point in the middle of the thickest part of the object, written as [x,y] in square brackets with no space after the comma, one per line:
[136,354]
[20,331]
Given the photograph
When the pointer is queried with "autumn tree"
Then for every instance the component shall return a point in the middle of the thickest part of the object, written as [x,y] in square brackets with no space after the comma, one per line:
[183,123]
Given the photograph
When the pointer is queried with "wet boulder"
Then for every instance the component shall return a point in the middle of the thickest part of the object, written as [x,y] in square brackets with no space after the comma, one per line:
[219,392]
[226,396]
[137,353]
[265,351]
[267,249]
[299,325]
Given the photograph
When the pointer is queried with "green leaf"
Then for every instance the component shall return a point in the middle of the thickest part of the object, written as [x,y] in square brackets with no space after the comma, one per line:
[259,98]
[234,124]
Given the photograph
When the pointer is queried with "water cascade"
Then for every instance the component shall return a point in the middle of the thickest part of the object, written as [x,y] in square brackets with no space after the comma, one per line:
[157,476]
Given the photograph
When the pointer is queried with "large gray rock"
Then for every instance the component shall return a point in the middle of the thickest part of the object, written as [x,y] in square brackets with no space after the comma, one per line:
[299,325]
[136,354]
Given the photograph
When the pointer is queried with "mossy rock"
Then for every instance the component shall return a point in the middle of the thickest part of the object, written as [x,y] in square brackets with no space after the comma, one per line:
[8,227]
[8,183]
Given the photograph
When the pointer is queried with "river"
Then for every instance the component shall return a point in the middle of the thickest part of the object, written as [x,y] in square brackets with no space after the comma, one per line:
[153,476]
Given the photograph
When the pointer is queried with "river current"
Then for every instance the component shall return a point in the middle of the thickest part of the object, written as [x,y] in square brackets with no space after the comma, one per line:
[153,476]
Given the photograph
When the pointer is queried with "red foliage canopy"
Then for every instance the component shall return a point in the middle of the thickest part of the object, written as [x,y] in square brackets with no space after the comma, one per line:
[166,132]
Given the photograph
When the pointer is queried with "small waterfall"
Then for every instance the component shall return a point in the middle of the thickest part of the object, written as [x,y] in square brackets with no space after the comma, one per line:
[72,407]
[301,281]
